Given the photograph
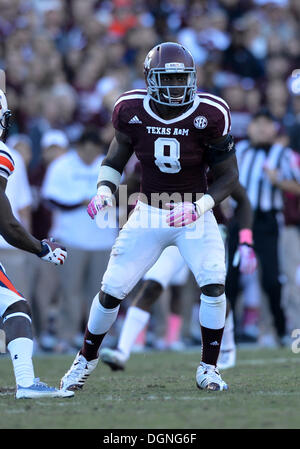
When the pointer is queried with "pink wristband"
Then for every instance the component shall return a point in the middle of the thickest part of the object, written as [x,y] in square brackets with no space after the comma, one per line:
[245,236]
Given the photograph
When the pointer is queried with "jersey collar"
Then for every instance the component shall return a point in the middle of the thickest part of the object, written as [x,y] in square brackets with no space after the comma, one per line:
[146,104]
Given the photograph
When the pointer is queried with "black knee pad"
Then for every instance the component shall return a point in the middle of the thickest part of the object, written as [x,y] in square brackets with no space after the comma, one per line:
[108,301]
[213,289]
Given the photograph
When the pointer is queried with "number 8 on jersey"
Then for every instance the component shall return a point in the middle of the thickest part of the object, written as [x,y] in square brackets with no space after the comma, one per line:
[167,154]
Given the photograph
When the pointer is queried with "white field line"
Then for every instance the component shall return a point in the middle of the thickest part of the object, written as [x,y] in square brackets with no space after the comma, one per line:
[199,398]
[156,398]
[211,397]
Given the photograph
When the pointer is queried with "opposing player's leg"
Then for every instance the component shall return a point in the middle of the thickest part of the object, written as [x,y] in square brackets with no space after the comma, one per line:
[204,253]
[136,249]
[155,281]
[16,315]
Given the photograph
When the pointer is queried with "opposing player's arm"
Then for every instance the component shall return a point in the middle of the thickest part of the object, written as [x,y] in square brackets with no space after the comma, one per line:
[11,230]
[220,155]
[112,166]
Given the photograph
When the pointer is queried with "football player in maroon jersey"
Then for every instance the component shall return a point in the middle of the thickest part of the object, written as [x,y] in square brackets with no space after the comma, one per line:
[172,130]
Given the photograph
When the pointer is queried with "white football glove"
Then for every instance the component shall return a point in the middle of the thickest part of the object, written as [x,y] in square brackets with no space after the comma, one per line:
[53,252]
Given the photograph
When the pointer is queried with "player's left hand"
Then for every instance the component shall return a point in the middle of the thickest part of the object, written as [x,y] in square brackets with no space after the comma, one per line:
[182,214]
[246,258]
[53,252]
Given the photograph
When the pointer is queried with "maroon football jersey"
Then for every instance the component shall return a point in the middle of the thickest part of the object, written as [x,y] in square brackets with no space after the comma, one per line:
[171,152]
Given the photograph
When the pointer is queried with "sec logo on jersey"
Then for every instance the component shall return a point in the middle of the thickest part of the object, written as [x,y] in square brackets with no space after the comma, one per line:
[200,122]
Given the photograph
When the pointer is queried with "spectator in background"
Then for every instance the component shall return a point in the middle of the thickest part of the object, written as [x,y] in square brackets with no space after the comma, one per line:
[277,100]
[241,116]
[23,145]
[238,59]
[44,281]
[54,143]
[56,110]
[69,184]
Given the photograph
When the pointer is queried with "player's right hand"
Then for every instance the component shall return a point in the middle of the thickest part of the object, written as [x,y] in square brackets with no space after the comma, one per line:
[99,202]
[53,252]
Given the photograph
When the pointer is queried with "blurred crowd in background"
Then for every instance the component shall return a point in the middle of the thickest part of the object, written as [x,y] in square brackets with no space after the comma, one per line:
[66,62]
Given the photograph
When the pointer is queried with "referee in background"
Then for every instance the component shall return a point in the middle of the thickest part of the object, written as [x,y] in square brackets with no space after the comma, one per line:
[256,156]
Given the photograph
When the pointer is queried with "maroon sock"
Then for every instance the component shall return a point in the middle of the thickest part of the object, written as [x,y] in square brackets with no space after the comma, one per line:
[211,342]
[91,344]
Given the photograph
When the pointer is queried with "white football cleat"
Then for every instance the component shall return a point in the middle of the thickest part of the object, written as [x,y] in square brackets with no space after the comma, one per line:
[77,375]
[208,378]
[41,390]
[113,358]
[227,358]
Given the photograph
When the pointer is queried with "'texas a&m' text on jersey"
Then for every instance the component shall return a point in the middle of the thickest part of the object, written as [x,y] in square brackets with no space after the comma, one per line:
[172,153]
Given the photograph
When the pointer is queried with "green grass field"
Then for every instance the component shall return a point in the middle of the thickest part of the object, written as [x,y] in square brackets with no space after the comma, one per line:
[158,391]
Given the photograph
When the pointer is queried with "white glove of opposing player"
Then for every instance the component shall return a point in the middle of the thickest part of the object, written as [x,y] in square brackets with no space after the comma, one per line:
[53,252]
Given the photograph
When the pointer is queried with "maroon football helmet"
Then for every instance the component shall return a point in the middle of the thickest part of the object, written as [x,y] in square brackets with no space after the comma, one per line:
[170,58]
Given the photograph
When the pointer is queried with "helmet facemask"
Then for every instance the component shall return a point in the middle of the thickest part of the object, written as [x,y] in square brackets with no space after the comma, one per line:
[168,94]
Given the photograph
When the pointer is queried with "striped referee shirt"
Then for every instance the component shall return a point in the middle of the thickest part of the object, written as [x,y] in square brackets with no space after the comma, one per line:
[252,161]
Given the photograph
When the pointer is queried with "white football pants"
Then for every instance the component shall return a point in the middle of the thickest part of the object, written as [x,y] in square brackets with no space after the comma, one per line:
[169,269]
[145,236]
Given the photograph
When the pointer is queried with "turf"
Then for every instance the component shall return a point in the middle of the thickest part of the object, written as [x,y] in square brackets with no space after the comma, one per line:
[158,391]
